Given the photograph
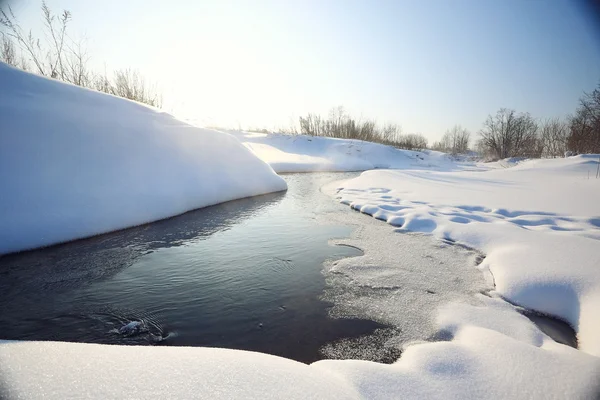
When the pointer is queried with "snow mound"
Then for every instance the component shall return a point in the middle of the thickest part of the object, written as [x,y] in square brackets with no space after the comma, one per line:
[537,223]
[301,153]
[76,163]
[76,370]
[479,363]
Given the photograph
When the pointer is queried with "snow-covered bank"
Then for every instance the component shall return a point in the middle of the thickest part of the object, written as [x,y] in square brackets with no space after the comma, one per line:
[53,370]
[300,153]
[76,163]
[479,363]
[538,223]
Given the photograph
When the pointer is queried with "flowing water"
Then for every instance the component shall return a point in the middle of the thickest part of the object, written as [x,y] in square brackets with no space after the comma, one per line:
[246,274]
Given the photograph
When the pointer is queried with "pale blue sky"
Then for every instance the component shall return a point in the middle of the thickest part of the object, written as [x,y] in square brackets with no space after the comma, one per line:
[426,65]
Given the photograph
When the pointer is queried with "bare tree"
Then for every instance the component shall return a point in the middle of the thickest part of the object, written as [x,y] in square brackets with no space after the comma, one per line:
[7,51]
[584,126]
[553,137]
[455,141]
[391,134]
[311,125]
[508,134]
[340,125]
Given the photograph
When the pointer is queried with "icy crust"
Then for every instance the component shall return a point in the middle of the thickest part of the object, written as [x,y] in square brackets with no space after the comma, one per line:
[75,163]
[301,153]
[537,223]
[401,280]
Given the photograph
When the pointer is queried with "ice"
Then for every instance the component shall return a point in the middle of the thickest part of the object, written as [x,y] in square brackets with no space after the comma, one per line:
[133,328]
[76,163]
[401,279]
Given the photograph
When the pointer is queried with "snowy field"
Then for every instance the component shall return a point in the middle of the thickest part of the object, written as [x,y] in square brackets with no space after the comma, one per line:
[538,224]
[76,163]
[300,153]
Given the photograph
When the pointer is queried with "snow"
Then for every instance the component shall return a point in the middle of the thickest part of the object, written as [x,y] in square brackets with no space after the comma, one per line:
[536,222]
[479,363]
[52,370]
[301,153]
[492,351]
[76,163]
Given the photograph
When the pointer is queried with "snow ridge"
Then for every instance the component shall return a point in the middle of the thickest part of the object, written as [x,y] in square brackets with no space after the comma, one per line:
[76,163]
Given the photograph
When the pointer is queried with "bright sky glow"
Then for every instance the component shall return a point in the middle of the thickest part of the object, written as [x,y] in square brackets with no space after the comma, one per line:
[425,65]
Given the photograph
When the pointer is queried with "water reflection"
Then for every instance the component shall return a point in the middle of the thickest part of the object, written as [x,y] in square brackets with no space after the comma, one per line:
[81,262]
[244,274]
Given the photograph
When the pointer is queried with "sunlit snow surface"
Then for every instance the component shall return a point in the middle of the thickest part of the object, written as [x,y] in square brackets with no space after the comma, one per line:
[537,224]
[76,163]
[95,163]
[301,153]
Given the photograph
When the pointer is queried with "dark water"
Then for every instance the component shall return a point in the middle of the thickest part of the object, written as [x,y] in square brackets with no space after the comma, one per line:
[243,275]
[558,330]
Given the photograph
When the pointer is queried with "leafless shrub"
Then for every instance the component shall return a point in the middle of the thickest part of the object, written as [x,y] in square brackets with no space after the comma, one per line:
[508,134]
[412,141]
[340,125]
[61,57]
[455,141]
[131,85]
[48,59]
[584,126]
[553,137]
[7,51]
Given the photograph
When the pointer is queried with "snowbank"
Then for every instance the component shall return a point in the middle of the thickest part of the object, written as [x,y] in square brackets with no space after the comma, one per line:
[52,370]
[76,163]
[538,224]
[479,363]
[300,153]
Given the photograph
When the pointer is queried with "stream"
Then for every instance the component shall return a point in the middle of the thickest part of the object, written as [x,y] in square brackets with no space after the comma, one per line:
[248,274]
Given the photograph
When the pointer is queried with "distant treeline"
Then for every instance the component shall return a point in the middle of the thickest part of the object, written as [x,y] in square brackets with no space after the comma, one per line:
[504,134]
[512,134]
[338,124]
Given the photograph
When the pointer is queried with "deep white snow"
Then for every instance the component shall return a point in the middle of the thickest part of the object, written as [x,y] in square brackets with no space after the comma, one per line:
[538,224]
[76,163]
[301,153]
[517,363]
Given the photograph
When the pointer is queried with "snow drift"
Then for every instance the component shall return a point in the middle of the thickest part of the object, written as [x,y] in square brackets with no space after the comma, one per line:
[538,224]
[76,163]
[500,357]
[302,153]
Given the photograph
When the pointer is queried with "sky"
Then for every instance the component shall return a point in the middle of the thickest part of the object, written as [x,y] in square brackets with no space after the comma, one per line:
[425,65]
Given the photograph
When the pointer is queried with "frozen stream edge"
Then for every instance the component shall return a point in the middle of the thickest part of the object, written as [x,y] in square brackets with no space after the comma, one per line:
[387,285]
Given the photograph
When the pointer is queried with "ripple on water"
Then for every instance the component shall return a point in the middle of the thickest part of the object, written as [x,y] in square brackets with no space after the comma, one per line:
[244,274]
